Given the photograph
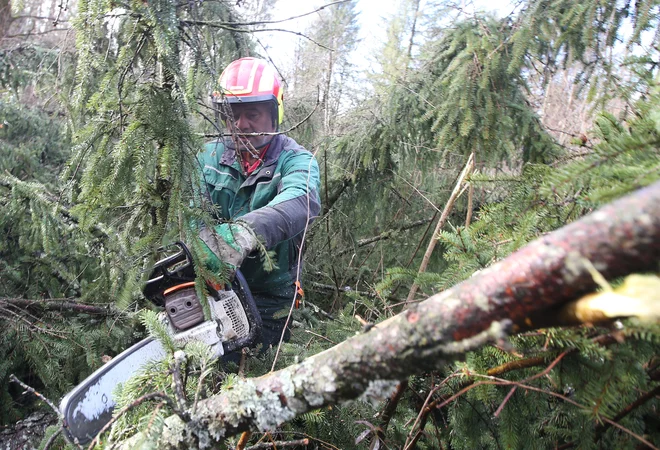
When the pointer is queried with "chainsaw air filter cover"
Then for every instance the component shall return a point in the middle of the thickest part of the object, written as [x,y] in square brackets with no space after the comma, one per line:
[183,307]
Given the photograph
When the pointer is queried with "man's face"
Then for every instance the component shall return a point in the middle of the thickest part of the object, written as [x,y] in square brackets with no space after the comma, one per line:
[250,118]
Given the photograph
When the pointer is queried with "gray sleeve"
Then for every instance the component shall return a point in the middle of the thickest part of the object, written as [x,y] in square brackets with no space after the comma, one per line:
[284,220]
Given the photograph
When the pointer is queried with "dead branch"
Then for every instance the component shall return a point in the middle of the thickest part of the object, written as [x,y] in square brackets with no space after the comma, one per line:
[389,233]
[51,439]
[31,390]
[270,22]
[243,440]
[469,166]
[279,444]
[62,305]
[623,238]
[392,403]
[470,206]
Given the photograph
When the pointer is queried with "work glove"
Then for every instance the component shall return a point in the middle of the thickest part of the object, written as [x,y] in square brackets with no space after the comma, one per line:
[228,244]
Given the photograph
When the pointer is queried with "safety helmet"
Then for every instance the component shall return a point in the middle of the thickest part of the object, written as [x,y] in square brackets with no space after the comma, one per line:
[248,80]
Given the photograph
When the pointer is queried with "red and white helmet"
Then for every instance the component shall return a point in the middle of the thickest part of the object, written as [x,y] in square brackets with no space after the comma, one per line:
[249,80]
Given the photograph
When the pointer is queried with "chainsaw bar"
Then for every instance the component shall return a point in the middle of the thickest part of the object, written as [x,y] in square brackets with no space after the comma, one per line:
[89,406]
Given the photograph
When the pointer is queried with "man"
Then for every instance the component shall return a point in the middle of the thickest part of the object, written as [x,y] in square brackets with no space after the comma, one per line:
[265,187]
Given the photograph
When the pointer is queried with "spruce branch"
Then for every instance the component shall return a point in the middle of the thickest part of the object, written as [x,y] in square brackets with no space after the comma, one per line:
[137,402]
[610,422]
[624,238]
[601,428]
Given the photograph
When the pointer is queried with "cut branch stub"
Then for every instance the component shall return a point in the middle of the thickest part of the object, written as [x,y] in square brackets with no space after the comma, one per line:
[619,239]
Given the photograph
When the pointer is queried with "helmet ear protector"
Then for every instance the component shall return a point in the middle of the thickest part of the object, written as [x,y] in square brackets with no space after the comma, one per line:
[250,80]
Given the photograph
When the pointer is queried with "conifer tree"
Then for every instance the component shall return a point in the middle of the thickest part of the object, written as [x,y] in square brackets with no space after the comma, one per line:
[78,224]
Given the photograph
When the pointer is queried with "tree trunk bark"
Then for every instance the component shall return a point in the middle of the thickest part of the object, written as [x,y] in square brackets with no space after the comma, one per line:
[619,239]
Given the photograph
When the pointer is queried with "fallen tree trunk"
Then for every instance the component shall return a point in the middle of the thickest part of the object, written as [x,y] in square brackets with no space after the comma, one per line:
[619,239]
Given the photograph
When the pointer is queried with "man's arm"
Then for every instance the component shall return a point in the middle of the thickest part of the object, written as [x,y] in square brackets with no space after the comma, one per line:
[296,204]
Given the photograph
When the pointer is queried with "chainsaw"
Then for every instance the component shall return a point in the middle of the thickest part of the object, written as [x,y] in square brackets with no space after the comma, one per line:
[234,323]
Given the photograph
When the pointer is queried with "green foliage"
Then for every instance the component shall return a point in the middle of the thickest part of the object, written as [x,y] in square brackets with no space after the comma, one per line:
[598,381]
[44,255]
[93,183]
[80,230]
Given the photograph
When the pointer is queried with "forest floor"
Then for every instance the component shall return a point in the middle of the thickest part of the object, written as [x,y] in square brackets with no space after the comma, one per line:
[26,434]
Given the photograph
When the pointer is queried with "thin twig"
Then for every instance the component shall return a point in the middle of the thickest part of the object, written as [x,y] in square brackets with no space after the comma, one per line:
[279,444]
[299,261]
[52,438]
[321,336]
[31,390]
[504,402]
[254,30]
[468,219]
[270,22]
[388,234]
[243,440]
[177,381]
[241,363]
[60,305]
[264,133]
[392,403]
[600,429]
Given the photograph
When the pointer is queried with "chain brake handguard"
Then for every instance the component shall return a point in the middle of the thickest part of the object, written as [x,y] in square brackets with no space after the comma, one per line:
[169,272]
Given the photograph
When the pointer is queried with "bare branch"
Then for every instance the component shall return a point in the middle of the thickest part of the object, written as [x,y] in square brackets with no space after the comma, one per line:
[233,28]
[389,234]
[270,22]
[61,305]
[469,166]
[31,390]
[279,444]
[266,133]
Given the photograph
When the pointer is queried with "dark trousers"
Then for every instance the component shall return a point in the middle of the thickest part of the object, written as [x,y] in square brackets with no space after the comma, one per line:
[270,304]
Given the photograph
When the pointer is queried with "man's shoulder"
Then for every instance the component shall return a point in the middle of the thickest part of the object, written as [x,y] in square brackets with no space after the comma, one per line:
[212,152]
[291,147]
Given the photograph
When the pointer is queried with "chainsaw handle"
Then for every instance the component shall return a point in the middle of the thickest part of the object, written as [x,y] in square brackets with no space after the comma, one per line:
[242,290]
[168,272]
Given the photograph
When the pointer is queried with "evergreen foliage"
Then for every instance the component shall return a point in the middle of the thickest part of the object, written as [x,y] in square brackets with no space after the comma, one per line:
[90,188]
[85,198]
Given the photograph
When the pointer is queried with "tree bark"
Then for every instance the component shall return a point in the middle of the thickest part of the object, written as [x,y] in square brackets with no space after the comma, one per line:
[619,239]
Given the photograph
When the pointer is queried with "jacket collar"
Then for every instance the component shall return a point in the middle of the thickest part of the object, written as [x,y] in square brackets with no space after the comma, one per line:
[228,157]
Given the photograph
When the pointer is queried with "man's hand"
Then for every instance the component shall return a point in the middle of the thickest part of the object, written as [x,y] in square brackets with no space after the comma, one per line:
[228,244]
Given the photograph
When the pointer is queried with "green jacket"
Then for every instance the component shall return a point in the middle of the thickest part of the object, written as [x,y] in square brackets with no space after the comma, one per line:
[277,200]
